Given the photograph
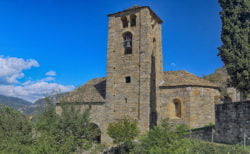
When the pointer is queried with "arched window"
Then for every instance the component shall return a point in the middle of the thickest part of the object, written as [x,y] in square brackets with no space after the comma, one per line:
[127,42]
[177,108]
[124,22]
[133,20]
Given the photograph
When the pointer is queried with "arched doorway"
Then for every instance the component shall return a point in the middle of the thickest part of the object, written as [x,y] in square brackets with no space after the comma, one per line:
[97,132]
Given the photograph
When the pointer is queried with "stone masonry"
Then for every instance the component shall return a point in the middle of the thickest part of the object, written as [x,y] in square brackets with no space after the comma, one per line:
[232,122]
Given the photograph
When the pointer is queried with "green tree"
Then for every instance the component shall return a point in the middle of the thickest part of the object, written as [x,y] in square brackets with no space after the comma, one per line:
[15,131]
[65,133]
[123,131]
[235,51]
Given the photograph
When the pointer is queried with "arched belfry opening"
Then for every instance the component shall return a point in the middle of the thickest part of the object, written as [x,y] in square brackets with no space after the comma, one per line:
[124,22]
[127,42]
[133,20]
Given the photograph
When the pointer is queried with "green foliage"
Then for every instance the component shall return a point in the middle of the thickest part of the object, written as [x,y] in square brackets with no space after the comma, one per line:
[65,133]
[235,51]
[97,148]
[166,139]
[248,149]
[163,139]
[15,131]
[50,133]
[123,131]
[72,132]
[196,146]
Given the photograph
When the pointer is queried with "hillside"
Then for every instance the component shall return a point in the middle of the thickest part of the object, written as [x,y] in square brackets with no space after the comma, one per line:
[28,107]
[219,77]
[14,102]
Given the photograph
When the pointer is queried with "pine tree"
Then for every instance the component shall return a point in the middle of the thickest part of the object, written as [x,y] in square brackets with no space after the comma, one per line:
[235,51]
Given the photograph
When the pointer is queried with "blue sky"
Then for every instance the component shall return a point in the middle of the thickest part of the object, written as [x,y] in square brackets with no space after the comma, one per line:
[69,38]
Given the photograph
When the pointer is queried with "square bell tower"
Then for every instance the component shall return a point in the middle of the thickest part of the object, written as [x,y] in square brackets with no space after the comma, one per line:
[134,65]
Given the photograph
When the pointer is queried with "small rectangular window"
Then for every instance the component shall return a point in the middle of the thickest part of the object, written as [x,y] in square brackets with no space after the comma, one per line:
[127,79]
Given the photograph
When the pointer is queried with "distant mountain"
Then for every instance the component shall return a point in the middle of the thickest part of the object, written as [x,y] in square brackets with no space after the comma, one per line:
[40,104]
[26,107]
[14,102]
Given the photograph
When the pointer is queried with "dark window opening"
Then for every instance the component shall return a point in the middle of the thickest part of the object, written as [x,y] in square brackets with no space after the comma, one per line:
[133,20]
[154,44]
[127,42]
[124,22]
[177,105]
[127,79]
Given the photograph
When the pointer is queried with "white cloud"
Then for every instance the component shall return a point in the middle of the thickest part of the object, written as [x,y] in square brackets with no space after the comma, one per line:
[48,79]
[11,68]
[51,73]
[32,91]
[173,64]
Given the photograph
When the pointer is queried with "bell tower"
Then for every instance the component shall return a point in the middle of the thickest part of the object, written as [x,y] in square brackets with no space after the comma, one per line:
[134,65]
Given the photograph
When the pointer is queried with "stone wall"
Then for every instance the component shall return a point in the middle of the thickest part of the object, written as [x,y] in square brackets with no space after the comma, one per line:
[204,133]
[232,121]
[233,94]
[202,104]
[167,95]
[197,105]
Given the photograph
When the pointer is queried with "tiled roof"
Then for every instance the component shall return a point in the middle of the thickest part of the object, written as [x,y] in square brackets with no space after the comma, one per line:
[91,92]
[183,78]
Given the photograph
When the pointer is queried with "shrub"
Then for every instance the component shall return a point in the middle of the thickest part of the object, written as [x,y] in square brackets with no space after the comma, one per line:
[123,131]
[165,139]
[64,133]
[15,131]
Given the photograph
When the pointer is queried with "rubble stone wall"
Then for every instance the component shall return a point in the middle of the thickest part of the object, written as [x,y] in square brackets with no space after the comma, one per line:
[232,121]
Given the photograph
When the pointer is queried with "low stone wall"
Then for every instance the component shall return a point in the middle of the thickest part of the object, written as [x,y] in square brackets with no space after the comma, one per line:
[204,133]
[233,122]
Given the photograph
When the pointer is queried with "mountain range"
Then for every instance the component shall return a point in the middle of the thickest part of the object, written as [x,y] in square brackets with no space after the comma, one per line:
[27,107]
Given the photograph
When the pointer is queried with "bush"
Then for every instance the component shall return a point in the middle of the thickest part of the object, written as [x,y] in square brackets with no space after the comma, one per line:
[123,131]
[15,131]
[64,133]
[165,139]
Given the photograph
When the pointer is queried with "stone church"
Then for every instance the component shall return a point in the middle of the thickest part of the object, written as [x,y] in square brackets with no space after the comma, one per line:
[136,85]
